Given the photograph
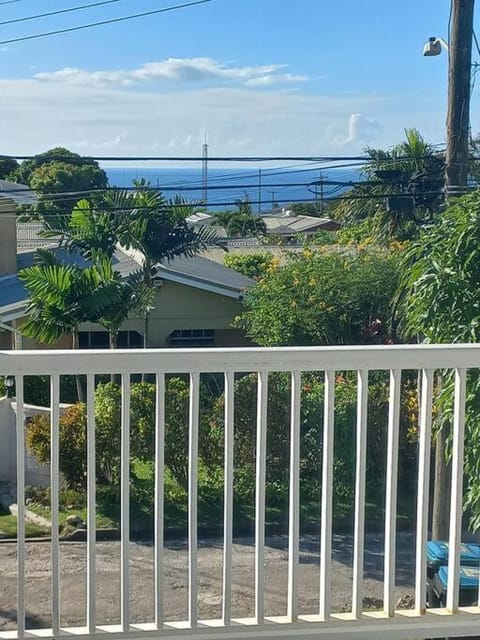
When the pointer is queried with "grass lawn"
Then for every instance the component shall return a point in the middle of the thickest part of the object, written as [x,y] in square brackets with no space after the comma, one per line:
[103,521]
[8,526]
[210,508]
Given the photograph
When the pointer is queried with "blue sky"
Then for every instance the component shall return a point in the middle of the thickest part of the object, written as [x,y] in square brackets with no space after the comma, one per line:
[262,76]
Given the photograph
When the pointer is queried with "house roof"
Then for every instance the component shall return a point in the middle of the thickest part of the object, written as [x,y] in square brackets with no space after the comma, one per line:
[196,272]
[297,224]
[205,274]
[19,193]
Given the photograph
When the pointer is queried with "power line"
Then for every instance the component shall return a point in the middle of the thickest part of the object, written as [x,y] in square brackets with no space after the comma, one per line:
[56,13]
[338,184]
[104,22]
[312,159]
[9,2]
[13,213]
[165,188]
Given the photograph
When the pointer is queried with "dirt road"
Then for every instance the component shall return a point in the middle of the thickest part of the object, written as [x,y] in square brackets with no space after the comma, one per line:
[73,571]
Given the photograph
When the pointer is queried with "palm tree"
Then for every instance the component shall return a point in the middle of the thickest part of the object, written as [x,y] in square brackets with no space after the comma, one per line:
[242,222]
[157,229]
[402,191]
[132,296]
[62,297]
[90,230]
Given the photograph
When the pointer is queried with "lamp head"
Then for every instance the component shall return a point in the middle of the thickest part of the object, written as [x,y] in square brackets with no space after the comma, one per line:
[433,47]
[10,386]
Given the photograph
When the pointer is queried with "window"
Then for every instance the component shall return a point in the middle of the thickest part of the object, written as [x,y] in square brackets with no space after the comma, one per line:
[191,338]
[99,340]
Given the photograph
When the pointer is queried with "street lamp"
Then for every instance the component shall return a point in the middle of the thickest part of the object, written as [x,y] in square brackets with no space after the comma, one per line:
[434,45]
[9,385]
[459,48]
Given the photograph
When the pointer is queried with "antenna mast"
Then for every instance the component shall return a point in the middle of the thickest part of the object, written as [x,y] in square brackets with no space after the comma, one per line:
[205,171]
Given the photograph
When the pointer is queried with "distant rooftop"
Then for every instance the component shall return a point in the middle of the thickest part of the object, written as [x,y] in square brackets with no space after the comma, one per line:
[19,193]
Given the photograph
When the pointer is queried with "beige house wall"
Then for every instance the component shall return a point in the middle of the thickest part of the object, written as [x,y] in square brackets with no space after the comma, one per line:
[182,307]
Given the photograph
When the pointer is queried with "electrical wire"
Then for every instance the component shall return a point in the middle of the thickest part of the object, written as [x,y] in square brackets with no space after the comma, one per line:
[60,195]
[56,13]
[14,213]
[225,177]
[9,2]
[104,22]
[312,159]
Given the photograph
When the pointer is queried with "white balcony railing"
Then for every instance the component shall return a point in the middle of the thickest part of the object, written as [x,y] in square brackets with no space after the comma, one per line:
[450,621]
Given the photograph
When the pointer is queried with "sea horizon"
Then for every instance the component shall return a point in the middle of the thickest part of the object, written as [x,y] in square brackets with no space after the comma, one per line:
[264,189]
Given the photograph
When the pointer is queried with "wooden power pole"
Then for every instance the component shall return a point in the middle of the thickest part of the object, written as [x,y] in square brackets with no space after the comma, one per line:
[458,115]
[456,176]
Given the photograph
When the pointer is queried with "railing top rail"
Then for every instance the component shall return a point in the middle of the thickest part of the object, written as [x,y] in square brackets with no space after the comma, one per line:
[380,357]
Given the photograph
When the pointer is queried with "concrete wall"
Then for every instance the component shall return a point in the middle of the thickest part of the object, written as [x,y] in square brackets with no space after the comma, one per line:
[8,237]
[35,473]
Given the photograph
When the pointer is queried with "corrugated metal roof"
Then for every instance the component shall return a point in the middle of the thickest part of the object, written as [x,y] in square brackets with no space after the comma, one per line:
[295,224]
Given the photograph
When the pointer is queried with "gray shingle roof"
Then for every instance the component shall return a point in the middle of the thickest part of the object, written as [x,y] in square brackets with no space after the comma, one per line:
[203,270]
[19,193]
[196,272]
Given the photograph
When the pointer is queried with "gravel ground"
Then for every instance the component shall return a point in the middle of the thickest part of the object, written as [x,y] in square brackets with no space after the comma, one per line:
[73,563]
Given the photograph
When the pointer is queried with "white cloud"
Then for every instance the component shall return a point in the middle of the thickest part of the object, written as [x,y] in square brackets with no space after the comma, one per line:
[271,79]
[177,70]
[361,129]
[101,119]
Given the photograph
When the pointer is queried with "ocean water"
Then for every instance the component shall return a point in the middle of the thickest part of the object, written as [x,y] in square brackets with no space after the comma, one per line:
[270,186]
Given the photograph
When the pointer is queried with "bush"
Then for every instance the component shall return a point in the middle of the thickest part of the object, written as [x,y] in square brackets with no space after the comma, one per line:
[311,433]
[252,265]
[36,390]
[72,441]
[323,297]
[72,432]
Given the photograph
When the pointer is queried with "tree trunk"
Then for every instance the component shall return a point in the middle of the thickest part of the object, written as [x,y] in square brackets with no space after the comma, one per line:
[78,378]
[147,278]
[146,329]
[113,343]
[441,511]
[112,338]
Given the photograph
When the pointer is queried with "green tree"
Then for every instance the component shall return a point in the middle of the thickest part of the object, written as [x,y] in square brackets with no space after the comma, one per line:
[7,167]
[308,209]
[402,191]
[238,224]
[62,297]
[323,297]
[90,230]
[57,171]
[439,303]
[252,265]
[158,229]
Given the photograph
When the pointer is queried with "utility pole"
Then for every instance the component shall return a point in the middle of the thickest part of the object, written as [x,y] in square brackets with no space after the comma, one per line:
[456,177]
[322,177]
[205,171]
[273,199]
[458,115]
[259,191]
